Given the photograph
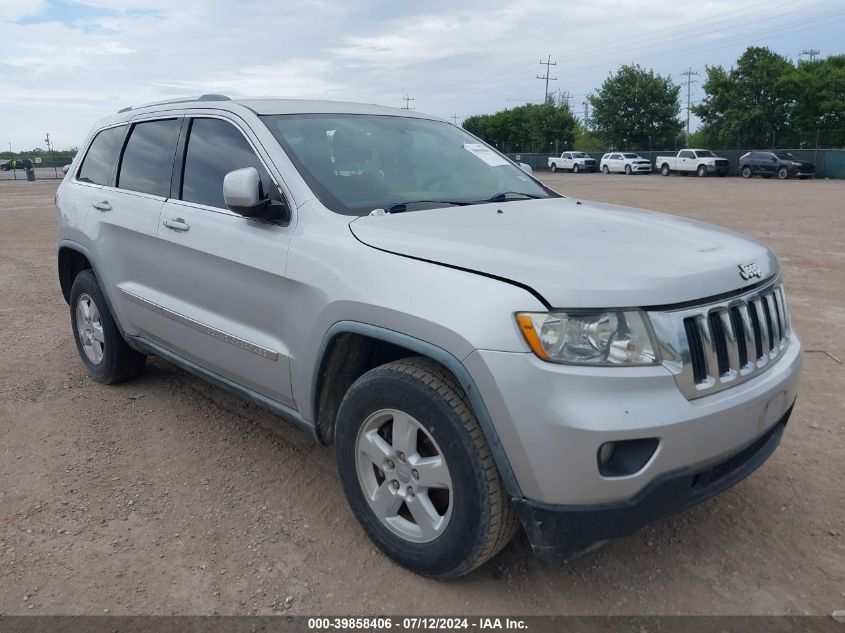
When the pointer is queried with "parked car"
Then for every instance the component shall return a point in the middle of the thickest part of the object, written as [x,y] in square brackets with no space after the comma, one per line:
[572,161]
[400,290]
[17,163]
[624,162]
[697,161]
[780,164]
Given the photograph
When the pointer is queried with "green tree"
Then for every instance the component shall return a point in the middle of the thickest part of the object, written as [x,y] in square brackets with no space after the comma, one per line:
[586,141]
[747,106]
[637,109]
[818,88]
[528,128]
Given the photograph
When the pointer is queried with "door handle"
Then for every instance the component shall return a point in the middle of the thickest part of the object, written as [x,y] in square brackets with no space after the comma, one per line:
[177,224]
[102,206]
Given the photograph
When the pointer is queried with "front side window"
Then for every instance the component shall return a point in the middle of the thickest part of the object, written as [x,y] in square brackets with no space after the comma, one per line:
[99,163]
[147,162]
[216,147]
[355,163]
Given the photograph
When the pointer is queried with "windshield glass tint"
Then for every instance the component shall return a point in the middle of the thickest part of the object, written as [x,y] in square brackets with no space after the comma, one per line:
[705,153]
[785,155]
[579,155]
[355,163]
[630,155]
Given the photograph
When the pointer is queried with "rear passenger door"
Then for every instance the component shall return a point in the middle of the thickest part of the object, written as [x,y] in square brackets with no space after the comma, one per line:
[223,298]
[124,222]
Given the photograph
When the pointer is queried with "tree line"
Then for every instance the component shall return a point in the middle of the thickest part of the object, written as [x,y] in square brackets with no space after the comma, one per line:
[764,101]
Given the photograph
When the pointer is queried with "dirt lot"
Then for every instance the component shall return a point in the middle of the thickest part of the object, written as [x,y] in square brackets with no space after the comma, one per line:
[166,495]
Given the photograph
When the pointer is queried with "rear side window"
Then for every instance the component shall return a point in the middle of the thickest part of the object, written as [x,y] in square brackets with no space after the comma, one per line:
[216,147]
[99,163]
[148,158]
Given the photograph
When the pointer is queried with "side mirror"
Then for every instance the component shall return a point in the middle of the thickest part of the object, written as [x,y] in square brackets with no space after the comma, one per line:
[65,169]
[526,168]
[242,192]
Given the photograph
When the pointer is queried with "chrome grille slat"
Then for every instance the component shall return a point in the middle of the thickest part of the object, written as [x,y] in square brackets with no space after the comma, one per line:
[713,347]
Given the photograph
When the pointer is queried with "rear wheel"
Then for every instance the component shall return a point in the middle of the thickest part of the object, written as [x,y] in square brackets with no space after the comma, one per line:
[554,168]
[702,171]
[746,172]
[605,170]
[105,354]
[664,170]
[417,471]
[783,173]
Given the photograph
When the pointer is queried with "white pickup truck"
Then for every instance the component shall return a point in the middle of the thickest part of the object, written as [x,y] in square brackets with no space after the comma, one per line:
[700,161]
[572,161]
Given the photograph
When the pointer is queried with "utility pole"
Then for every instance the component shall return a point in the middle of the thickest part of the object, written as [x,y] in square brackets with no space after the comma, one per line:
[812,53]
[455,119]
[689,74]
[564,97]
[50,149]
[407,101]
[586,105]
[548,64]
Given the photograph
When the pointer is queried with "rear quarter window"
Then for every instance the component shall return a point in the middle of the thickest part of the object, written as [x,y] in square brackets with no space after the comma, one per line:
[100,161]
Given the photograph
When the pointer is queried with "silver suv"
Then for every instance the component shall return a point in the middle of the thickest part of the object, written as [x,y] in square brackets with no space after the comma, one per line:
[483,352]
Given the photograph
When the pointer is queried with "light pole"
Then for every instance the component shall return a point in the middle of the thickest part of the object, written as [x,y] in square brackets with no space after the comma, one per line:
[50,149]
[11,158]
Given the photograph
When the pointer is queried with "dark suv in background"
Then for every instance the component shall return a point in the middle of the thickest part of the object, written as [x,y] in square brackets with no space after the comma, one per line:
[768,164]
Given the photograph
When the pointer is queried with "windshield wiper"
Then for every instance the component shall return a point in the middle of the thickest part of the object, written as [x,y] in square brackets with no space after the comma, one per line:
[399,207]
[503,196]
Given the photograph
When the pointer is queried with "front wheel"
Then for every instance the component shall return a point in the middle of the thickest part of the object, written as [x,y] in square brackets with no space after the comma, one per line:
[575,168]
[628,170]
[702,171]
[105,354]
[417,471]
[783,173]
[605,170]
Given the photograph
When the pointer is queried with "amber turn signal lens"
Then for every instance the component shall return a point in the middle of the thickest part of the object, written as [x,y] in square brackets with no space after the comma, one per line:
[530,334]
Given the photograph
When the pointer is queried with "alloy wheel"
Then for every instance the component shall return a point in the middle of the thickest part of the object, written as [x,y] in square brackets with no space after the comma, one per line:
[89,328]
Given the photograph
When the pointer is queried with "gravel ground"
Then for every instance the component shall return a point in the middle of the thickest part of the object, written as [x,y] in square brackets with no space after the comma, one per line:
[167,495]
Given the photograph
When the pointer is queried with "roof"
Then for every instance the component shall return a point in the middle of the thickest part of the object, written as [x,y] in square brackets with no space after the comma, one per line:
[274,106]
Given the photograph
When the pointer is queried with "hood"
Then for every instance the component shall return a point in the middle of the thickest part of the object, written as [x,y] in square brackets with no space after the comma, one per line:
[576,255]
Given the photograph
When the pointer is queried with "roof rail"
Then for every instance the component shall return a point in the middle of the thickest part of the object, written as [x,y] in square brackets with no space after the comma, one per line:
[205,97]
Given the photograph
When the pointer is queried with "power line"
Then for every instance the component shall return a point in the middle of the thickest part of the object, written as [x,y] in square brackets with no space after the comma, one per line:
[548,64]
[407,101]
[564,97]
[455,118]
[812,53]
[689,74]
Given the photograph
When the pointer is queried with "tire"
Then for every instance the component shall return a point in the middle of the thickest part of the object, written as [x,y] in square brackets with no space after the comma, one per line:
[479,517]
[575,168]
[605,170]
[628,170]
[783,173]
[554,168]
[105,354]
[664,170]
[701,171]
[746,172]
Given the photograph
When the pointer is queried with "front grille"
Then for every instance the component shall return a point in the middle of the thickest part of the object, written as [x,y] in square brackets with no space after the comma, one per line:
[716,346]
[721,162]
[589,162]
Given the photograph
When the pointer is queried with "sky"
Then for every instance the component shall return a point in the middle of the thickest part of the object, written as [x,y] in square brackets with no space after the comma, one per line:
[66,63]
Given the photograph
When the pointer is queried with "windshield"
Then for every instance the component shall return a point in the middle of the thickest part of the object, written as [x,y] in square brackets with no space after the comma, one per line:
[631,155]
[356,163]
[785,155]
[704,153]
[579,155]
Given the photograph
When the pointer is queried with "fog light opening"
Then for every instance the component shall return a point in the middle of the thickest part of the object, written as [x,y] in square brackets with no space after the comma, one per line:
[622,458]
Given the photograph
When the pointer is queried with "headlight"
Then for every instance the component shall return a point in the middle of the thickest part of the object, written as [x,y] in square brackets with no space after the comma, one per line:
[594,338]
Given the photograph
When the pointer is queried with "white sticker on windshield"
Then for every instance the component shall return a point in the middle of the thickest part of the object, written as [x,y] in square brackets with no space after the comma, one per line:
[486,154]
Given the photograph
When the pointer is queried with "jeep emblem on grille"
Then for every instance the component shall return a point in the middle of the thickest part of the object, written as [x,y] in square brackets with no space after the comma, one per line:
[747,271]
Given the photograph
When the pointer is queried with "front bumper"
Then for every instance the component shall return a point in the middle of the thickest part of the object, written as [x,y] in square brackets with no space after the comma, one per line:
[593,167]
[559,533]
[718,169]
